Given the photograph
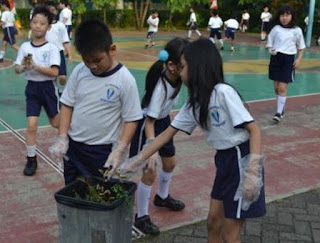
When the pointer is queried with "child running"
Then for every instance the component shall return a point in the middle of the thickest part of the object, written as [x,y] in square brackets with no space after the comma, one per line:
[153,22]
[229,128]
[192,23]
[284,42]
[244,21]
[100,107]
[265,26]
[231,26]
[39,60]
[58,35]
[163,84]
[215,24]
[7,22]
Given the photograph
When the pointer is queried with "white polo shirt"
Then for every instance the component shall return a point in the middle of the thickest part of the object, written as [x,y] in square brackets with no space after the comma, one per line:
[46,55]
[215,22]
[193,17]
[58,35]
[232,23]
[153,24]
[8,18]
[226,113]
[286,40]
[100,104]
[265,16]
[161,103]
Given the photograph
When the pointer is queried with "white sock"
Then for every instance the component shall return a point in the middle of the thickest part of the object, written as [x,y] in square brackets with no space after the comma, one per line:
[281,101]
[221,42]
[189,34]
[143,195]
[31,151]
[263,36]
[2,54]
[212,40]
[198,32]
[164,183]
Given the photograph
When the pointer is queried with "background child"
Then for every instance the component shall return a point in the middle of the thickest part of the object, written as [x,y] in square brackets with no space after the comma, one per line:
[284,42]
[7,22]
[192,23]
[100,99]
[244,21]
[265,26]
[231,26]
[153,22]
[65,15]
[215,24]
[229,128]
[40,70]
[58,35]
[163,84]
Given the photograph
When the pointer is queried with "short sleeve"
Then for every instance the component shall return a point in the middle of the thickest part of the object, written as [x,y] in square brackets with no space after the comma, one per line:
[271,36]
[158,97]
[54,56]
[21,55]
[64,34]
[234,105]
[300,40]
[184,120]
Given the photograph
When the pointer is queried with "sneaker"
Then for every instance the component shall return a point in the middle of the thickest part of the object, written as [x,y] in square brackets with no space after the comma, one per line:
[145,225]
[232,48]
[31,166]
[278,117]
[169,202]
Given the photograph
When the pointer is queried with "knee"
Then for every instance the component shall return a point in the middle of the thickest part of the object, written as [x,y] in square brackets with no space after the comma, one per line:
[32,128]
[149,176]
[214,224]
[169,164]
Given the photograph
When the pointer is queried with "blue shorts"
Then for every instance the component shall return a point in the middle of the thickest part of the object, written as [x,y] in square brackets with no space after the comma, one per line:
[40,94]
[69,29]
[265,27]
[215,32]
[150,34]
[281,68]
[84,160]
[63,67]
[226,183]
[9,35]
[230,33]
[193,26]
[168,150]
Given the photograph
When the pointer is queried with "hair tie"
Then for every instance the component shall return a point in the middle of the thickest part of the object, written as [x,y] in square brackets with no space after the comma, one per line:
[163,55]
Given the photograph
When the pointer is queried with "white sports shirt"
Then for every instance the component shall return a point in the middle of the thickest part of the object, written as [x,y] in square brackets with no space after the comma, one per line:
[226,112]
[8,18]
[100,104]
[232,23]
[160,103]
[46,55]
[215,22]
[286,40]
[193,17]
[265,16]
[153,24]
[65,13]
[58,35]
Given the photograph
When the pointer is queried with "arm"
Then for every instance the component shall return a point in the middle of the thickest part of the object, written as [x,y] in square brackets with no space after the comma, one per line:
[255,146]
[67,47]
[65,119]
[296,63]
[19,69]
[128,130]
[48,71]
[149,127]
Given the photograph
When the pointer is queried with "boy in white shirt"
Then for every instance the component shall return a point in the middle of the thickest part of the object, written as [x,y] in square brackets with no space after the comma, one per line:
[153,22]
[65,15]
[215,24]
[231,27]
[7,22]
[192,23]
[244,21]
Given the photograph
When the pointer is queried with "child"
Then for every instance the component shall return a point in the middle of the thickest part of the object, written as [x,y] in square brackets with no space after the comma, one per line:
[153,22]
[217,108]
[39,60]
[284,42]
[69,6]
[265,18]
[163,84]
[100,105]
[58,35]
[215,24]
[231,26]
[65,15]
[7,22]
[244,21]
[192,23]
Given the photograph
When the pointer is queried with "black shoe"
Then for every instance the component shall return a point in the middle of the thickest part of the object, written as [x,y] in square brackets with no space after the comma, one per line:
[1,59]
[145,225]
[31,166]
[169,202]
[278,117]
[221,48]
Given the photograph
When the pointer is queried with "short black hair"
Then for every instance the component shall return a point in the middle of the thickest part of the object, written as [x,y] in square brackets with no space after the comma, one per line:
[42,9]
[65,2]
[51,4]
[5,2]
[91,36]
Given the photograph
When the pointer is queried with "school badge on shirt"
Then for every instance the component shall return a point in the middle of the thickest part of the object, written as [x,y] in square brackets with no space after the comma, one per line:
[111,93]
[216,119]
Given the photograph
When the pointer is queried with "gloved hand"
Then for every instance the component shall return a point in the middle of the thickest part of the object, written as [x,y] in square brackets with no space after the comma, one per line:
[272,51]
[251,180]
[117,156]
[60,147]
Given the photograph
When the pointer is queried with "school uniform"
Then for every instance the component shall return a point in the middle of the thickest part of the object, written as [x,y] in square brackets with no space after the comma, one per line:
[66,13]
[161,104]
[286,42]
[245,19]
[8,28]
[40,89]
[215,24]
[100,105]
[193,22]
[232,25]
[265,18]
[153,26]
[226,134]
[58,35]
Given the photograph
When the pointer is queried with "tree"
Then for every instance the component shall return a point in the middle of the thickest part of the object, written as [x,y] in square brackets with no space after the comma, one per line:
[105,4]
[78,8]
[140,8]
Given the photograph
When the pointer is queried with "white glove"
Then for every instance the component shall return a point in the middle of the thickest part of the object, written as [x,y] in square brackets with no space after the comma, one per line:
[251,180]
[60,147]
[272,51]
[117,156]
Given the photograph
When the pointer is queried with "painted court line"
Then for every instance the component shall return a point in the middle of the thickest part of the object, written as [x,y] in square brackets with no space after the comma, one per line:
[55,166]
[133,52]
[9,65]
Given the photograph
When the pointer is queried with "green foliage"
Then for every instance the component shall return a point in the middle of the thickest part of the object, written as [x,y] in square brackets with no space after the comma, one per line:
[105,4]
[24,14]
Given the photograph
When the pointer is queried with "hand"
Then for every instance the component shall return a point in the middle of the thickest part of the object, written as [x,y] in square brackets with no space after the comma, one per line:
[296,63]
[60,147]
[272,51]
[116,157]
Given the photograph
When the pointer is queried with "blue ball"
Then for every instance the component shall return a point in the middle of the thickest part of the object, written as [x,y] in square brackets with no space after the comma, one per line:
[163,55]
